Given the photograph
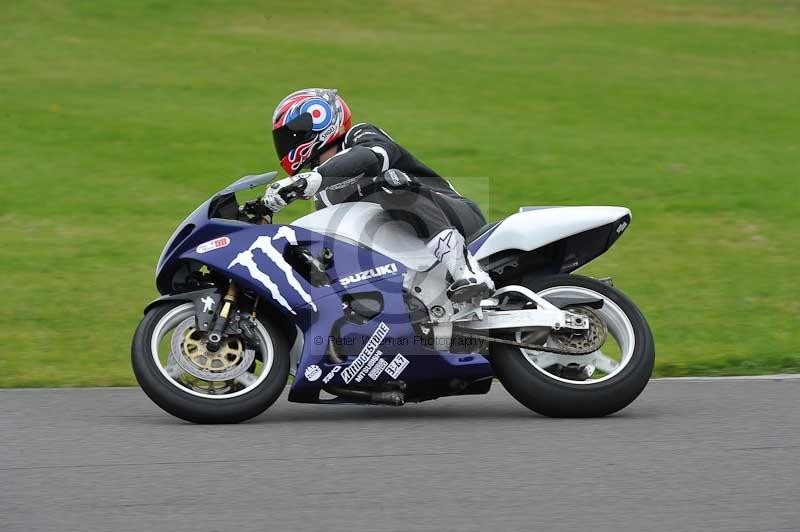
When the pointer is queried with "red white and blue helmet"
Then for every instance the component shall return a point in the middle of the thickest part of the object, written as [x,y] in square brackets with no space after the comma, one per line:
[307,122]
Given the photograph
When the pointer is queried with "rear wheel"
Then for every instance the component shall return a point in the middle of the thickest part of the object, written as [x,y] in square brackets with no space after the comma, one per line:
[592,385]
[176,371]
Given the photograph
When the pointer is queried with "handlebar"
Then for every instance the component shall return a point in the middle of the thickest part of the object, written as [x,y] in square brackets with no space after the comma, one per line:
[257,209]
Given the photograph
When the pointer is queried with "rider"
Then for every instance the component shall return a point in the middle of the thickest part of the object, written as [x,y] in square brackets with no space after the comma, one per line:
[312,129]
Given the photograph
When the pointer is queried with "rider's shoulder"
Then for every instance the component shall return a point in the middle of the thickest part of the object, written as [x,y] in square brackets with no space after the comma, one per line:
[365,132]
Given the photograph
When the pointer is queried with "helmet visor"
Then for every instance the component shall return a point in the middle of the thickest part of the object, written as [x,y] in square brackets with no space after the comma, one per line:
[292,134]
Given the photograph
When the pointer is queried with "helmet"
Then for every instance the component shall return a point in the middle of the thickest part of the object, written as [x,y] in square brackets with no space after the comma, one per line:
[307,122]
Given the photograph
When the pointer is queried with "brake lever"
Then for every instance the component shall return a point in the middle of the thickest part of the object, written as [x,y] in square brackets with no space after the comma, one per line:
[256,208]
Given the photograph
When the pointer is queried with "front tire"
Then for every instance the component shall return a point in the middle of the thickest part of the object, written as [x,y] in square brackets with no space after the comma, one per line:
[548,392]
[185,400]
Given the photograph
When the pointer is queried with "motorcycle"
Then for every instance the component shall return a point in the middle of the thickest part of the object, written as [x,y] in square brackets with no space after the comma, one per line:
[353,306]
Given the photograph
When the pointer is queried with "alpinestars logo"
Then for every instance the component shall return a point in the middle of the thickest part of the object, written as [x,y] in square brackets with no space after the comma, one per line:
[374,273]
[444,245]
[264,244]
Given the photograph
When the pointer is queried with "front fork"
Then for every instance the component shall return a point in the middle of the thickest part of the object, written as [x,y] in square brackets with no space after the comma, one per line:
[219,325]
[232,321]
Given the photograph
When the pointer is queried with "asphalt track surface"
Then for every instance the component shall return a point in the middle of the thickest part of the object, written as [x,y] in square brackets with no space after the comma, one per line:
[688,455]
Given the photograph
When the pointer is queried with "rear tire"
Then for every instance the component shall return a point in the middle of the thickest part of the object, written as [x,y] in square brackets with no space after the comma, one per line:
[181,402]
[554,397]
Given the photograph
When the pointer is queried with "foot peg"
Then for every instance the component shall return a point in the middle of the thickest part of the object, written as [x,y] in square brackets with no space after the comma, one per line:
[490,302]
[468,289]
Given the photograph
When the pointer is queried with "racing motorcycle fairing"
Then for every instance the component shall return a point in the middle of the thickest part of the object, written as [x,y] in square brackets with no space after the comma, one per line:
[259,258]
[222,208]
[379,351]
[571,236]
[255,258]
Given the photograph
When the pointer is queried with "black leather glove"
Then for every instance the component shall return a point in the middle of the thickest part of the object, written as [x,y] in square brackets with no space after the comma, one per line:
[394,178]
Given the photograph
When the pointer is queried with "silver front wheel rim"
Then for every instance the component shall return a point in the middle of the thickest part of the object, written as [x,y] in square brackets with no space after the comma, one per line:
[176,375]
[609,365]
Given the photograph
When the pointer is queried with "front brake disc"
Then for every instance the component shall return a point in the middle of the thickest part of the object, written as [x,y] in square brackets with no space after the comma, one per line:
[188,349]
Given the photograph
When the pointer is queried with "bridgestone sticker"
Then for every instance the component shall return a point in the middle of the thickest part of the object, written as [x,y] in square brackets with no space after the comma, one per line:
[396,366]
[367,355]
[368,366]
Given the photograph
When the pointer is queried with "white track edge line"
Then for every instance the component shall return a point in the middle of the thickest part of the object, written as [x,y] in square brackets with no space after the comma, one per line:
[733,378]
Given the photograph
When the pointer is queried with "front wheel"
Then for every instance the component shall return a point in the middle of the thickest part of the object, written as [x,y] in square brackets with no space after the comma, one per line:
[592,385]
[176,371]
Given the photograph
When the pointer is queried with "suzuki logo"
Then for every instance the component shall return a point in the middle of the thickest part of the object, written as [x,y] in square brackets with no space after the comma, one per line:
[374,273]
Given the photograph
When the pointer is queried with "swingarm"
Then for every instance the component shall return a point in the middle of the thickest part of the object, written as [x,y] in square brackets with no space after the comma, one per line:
[517,307]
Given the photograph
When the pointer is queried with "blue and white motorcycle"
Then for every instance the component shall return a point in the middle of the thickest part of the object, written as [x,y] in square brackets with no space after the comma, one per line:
[354,306]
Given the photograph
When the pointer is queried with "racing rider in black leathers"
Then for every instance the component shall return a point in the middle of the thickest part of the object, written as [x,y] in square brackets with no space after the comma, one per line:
[312,129]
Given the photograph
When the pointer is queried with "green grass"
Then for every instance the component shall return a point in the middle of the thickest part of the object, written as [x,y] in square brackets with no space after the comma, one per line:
[118,117]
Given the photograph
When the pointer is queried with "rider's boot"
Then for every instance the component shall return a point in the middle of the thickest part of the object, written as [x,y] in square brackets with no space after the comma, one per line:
[469,280]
